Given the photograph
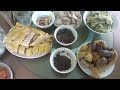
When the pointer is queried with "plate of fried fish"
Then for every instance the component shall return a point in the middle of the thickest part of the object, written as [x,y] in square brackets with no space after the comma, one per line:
[27,42]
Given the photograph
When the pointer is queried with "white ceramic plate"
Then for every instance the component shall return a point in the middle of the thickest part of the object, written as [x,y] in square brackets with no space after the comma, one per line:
[105,73]
[25,56]
[8,69]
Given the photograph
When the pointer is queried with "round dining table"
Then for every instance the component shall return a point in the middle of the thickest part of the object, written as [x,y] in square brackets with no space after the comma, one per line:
[24,69]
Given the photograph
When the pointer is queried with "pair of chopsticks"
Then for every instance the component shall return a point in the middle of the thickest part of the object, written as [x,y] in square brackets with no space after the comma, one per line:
[6,20]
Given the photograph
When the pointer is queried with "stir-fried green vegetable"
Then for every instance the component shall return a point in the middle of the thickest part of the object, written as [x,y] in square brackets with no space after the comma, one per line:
[100,21]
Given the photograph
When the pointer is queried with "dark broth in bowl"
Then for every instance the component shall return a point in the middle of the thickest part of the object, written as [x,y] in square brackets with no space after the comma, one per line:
[61,62]
[65,36]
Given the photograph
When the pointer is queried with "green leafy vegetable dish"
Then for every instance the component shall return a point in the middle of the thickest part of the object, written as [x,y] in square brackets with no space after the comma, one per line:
[100,21]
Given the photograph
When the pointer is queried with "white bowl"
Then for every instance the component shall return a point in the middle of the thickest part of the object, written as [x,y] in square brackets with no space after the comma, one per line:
[67,52]
[114,27]
[38,14]
[71,29]
[76,27]
[8,69]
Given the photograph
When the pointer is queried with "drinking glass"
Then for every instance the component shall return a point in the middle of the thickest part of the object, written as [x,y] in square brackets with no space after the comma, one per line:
[23,17]
[2,47]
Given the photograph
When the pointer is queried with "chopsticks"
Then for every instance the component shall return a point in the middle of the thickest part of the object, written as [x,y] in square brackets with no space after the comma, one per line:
[6,20]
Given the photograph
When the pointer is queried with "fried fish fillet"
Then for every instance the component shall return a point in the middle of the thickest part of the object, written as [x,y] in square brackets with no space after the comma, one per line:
[35,49]
[19,39]
[12,36]
[9,45]
[12,47]
[42,48]
[15,33]
[47,46]
[49,40]
[27,40]
[40,39]
[29,51]
[21,50]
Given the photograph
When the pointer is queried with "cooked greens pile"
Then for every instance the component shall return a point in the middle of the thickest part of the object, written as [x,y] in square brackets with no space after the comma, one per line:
[100,21]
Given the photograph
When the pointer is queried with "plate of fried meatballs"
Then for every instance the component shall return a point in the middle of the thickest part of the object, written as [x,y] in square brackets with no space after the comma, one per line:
[96,58]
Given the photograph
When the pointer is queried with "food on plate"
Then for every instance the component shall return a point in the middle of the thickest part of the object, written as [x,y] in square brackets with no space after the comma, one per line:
[65,36]
[4,74]
[35,49]
[14,47]
[27,40]
[72,18]
[44,20]
[47,46]
[100,21]
[39,39]
[21,49]
[29,51]
[15,32]
[97,57]
[62,62]
[42,48]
